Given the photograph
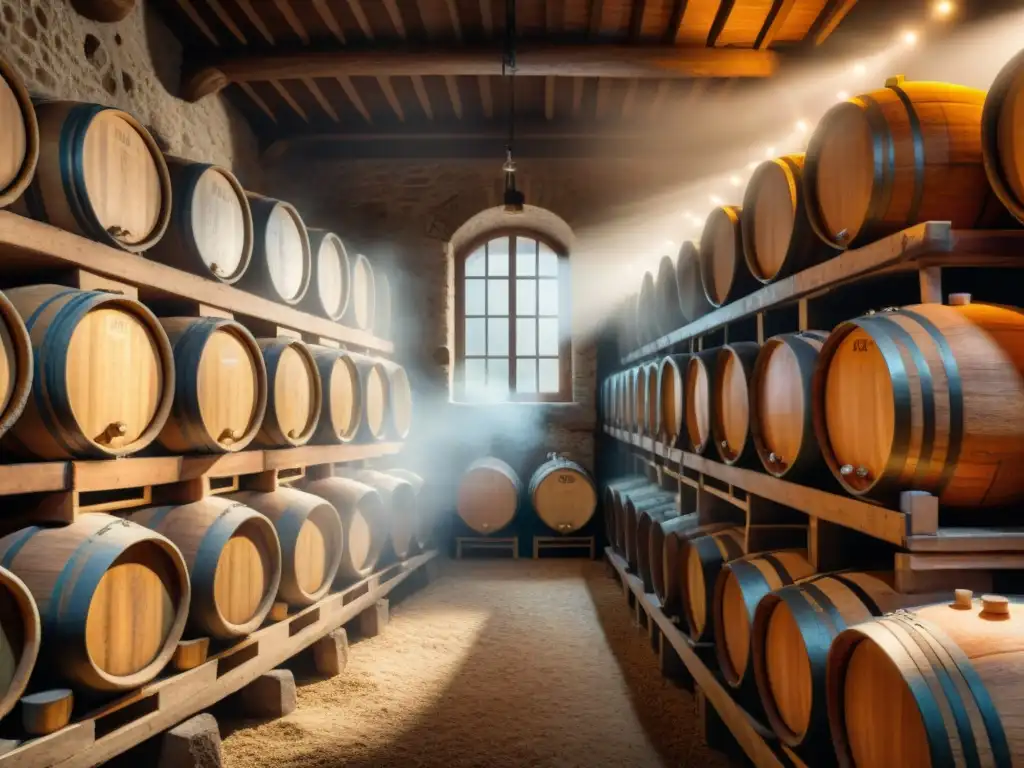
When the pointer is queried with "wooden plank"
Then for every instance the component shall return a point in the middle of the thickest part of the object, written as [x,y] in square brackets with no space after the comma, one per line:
[594,18]
[486,98]
[353,95]
[453,14]
[227,21]
[486,18]
[258,100]
[256,19]
[391,96]
[290,458]
[959,561]
[329,19]
[52,749]
[34,478]
[966,540]
[833,13]
[318,94]
[721,19]
[285,7]
[675,21]
[421,95]
[291,102]
[453,93]
[360,16]
[774,23]
[197,20]
[549,97]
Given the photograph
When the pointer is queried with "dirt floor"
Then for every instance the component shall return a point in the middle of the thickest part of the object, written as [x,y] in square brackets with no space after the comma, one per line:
[497,664]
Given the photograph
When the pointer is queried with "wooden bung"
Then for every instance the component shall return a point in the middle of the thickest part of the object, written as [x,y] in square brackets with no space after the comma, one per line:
[668,314]
[341,406]
[1002,122]
[281,256]
[19,136]
[723,271]
[399,499]
[693,302]
[331,277]
[364,521]
[703,560]
[730,406]
[698,401]
[671,398]
[294,393]
[362,303]
[20,635]
[674,566]
[488,495]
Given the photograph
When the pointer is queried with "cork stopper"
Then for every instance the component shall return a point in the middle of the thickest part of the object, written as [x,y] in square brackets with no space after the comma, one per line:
[963,598]
[995,605]
[959,299]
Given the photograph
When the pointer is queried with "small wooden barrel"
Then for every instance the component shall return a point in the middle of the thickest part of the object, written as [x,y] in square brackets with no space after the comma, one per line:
[330,282]
[633,504]
[730,407]
[563,494]
[673,564]
[668,312]
[488,495]
[936,686]
[660,531]
[382,305]
[19,638]
[294,393]
[233,558]
[697,401]
[639,398]
[703,560]
[647,517]
[672,415]
[693,302]
[609,502]
[220,386]
[426,506]
[113,597]
[19,136]
[373,384]
[398,407]
[364,521]
[651,423]
[281,257]
[211,230]
[723,270]
[362,303]
[923,398]
[312,540]
[778,239]
[105,380]
[399,499]
[907,153]
[341,408]
[1001,129]
[619,498]
[646,329]
[100,175]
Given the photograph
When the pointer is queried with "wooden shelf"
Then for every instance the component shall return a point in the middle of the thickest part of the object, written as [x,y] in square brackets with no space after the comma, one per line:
[29,247]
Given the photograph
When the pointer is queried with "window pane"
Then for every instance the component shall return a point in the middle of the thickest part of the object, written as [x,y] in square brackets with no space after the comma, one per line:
[497,257]
[548,336]
[526,336]
[497,336]
[497,375]
[526,297]
[475,341]
[475,264]
[548,261]
[526,257]
[526,374]
[548,293]
[497,297]
[476,376]
[475,297]
[549,374]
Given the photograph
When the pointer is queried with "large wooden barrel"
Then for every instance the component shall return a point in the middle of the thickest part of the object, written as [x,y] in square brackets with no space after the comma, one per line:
[620,496]
[427,506]
[19,136]
[104,379]
[399,499]
[639,399]
[294,393]
[673,565]
[364,520]
[16,364]
[693,302]
[398,407]
[651,422]
[281,257]
[1002,126]
[778,239]
[781,422]
[374,388]
[563,494]
[382,306]
[660,531]
[341,408]
[220,386]
[609,503]
[331,277]
[633,504]
[939,685]
[697,401]
[100,175]
[646,329]
[233,558]
[488,495]
[20,635]
[363,300]
[672,415]
[311,536]
[790,637]
[211,231]
[647,518]
[723,270]
[668,311]
[703,560]
[730,407]
[113,597]
[907,153]
[923,398]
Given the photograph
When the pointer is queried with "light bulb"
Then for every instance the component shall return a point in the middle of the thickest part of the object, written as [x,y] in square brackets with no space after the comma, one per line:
[943,9]
[735,180]
[909,38]
[716,200]
[801,126]
[769,152]
[842,95]
[860,69]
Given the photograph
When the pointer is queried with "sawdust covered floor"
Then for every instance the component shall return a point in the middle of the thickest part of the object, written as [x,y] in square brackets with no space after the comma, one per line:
[496,664]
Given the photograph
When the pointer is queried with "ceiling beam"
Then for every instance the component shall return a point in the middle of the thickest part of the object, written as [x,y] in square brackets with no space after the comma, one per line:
[611,61]
[773,24]
[256,19]
[453,94]
[227,21]
[325,105]
[596,12]
[486,97]
[329,19]
[833,13]
[392,97]
[289,100]
[721,19]
[549,97]
[285,7]
[360,15]
[353,95]
[423,97]
[453,13]
[197,20]
[258,101]
[486,18]
[675,22]
[636,19]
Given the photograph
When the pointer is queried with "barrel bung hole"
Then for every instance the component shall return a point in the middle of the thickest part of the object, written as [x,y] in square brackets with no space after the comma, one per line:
[789,669]
[244,571]
[845,177]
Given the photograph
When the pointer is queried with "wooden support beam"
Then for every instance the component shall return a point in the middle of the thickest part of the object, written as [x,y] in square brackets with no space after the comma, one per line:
[396,17]
[193,15]
[721,19]
[256,19]
[259,101]
[594,20]
[833,13]
[423,97]
[285,7]
[486,18]
[227,21]
[675,21]
[486,97]
[549,97]
[360,15]
[353,95]
[329,19]
[453,93]
[453,13]
[392,97]
[773,24]
[636,19]
[289,100]
[325,105]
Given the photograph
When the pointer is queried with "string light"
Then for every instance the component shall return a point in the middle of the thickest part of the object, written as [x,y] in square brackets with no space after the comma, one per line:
[801,126]
[909,38]
[943,9]
[860,69]
[735,180]
[842,95]
[769,152]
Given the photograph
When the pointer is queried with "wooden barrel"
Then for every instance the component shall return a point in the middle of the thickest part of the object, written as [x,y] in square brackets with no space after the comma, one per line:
[363,300]
[20,635]
[646,330]
[639,399]
[651,424]
[923,398]
[790,637]
[723,270]
[113,597]
[672,415]
[382,305]
[104,380]
[220,386]
[488,495]
[730,407]
[693,302]
[330,280]
[100,175]
[703,560]
[294,393]
[668,312]
[609,503]
[647,517]
[364,521]
[883,161]
[398,406]
[281,257]
[673,564]
[211,231]
[427,506]
[697,400]
[312,540]
[373,385]
[341,404]
[563,494]
[399,499]
[660,531]
[233,558]
[19,136]
[16,365]
[936,686]
[619,498]
[778,239]
[781,422]
[1001,128]
[632,505]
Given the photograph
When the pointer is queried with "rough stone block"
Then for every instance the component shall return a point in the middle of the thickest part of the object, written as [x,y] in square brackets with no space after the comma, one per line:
[272,694]
[373,620]
[193,744]
[330,653]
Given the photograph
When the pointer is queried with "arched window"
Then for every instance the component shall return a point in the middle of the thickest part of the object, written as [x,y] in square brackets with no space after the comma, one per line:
[512,307]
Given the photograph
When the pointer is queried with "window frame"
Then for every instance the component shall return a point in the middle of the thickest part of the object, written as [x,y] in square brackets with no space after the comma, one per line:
[564,393]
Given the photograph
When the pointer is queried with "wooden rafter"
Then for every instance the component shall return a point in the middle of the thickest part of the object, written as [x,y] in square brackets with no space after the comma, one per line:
[453,94]
[190,11]
[486,18]
[486,97]
[453,13]
[256,19]
[353,95]
[594,20]
[392,97]
[227,21]
[833,13]
[396,17]
[329,19]
[636,19]
[423,97]
[285,7]
[360,15]
[289,100]
[258,100]
[549,97]
[675,21]
[773,24]
[417,81]
[721,19]
[325,105]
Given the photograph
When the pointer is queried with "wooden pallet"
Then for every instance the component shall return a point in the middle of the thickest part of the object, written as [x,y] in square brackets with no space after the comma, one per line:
[508,544]
[543,544]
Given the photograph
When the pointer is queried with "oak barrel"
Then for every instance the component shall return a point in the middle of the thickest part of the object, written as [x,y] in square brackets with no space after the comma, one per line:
[674,565]
[651,423]
[341,405]
[730,407]
[281,256]
[374,389]
[104,374]
[210,232]
[488,495]
[886,160]
[647,517]
[20,635]
[312,540]
[233,558]
[382,305]
[936,686]
[19,136]
[781,417]
[220,386]
[294,393]
[331,277]
[697,401]
[1002,128]
[723,270]
[16,364]
[113,597]
[639,416]
[633,504]
[609,502]
[362,303]
[563,494]
[703,559]
[620,496]
[778,239]
[693,302]
[364,521]
[399,499]
[398,407]
[672,415]
[667,309]
[646,329]
[660,531]
[922,398]
[427,505]
[100,175]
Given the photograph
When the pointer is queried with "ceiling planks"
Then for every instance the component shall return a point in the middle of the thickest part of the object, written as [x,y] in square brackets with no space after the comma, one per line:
[775,22]
[285,7]
[329,19]
[227,21]
[255,19]
[322,100]
[193,16]
[258,101]
[289,99]
[353,96]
